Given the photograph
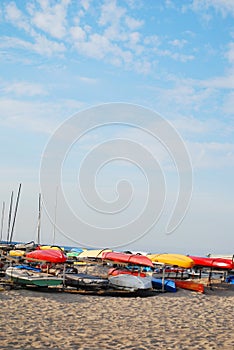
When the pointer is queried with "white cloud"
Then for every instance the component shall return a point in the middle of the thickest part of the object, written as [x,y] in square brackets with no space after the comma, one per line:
[88,80]
[15,16]
[225,7]
[51,19]
[230,53]
[77,33]
[132,23]
[36,116]
[24,88]
[211,155]
[178,43]
[111,13]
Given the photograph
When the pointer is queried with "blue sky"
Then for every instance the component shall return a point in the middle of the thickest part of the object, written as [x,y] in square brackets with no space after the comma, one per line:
[173,57]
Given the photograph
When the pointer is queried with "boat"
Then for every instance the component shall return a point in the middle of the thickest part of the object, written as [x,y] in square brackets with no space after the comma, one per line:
[190,285]
[75,252]
[32,277]
[117,271]
[16,252]
[216,263]
[48,255]
[130,282]
[123,258]
[172,259]
[25,246]
[85,281]
[92,254]
[45,247]
[164,284]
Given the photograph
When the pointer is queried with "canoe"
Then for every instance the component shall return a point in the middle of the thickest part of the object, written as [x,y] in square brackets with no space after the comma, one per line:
[172,259]
[167,285]
[30,277]
[217,263]
[123,258]
[85,281]
[49,255]
[191,285]
[92,253]
[130,282]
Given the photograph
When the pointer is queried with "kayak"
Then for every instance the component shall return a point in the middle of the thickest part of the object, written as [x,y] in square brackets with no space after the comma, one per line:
[218,263]
[191,285]
[172,259]
[123,258]
[16,252]
[92,253]
[230,279]
[49,255]
[45,247]
[116,271]
[167,285]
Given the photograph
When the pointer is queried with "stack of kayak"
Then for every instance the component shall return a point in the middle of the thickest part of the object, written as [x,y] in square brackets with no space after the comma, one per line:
[46,265]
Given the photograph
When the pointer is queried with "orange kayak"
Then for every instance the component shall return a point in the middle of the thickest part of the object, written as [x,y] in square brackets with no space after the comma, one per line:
[191,285]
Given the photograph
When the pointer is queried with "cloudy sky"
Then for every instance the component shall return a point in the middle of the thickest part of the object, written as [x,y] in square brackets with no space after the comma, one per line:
[175,58]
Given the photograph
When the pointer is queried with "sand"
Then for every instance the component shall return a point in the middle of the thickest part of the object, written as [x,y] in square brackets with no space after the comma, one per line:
[183,320]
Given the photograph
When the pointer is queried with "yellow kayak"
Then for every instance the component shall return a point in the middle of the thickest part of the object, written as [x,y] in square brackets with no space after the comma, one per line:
[172,259]
[92,253]
[17,252]
[45,247]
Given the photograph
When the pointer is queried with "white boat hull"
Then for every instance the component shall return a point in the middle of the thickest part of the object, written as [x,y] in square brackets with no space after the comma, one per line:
[130,282]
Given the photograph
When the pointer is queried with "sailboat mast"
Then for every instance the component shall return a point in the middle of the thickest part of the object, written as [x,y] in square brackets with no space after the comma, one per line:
[16,208]
[9,217]
[39,220]
[2,219]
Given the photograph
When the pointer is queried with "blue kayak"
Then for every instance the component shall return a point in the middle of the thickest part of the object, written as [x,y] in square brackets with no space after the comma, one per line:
[169,285]
[230,279]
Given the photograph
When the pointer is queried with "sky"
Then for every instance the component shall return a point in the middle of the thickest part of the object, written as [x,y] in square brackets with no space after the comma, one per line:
[61,61]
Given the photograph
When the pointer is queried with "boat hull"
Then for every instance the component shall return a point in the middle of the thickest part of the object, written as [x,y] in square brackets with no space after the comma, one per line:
[86,281]
[123,258]
[27,277]
[190,285]
[130,282]
[217,263]
[172,259]
[48,255]
[166,285]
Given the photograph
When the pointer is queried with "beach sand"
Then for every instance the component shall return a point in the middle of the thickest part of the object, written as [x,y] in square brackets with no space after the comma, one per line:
[57,320]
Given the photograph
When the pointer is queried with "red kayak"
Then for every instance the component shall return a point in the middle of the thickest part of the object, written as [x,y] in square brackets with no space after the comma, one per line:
[115,272]
[127,258]
[218,263]
[49,255]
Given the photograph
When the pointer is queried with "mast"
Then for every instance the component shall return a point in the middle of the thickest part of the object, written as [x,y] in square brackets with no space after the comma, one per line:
[39,220]
[9,217]
[16,208]
[2,219]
